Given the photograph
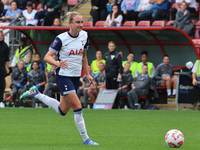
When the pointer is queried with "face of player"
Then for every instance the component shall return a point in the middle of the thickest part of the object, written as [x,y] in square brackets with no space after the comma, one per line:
[166,60]
[111,47]
[1,36]
[29,8]
[101,67]
[77,23]
[183,6]
[56,22]
[98,55]
[28,58]
[21,65]
[144,69]
[14,6]
[126,67]
[144,58]
[35,66]
[37,57]
[130,57]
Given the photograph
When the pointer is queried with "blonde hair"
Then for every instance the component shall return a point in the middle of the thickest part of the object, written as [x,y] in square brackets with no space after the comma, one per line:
[71,15]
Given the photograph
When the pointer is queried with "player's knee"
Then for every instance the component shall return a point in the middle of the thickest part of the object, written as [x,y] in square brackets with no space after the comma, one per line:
[61,112]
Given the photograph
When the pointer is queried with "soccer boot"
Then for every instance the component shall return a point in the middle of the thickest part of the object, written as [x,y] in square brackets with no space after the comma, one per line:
[31,93]
[90,142]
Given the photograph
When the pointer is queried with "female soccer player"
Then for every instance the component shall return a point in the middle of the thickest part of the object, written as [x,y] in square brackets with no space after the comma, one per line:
[70,48]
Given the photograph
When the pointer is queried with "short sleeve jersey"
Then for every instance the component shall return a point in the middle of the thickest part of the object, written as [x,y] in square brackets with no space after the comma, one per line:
[71,49]
[30,17]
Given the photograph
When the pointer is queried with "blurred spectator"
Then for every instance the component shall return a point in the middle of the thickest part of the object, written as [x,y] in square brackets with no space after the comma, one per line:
[38,59]
[21,4]
[121,54]
[95,63]
[56,22]
[130,59]
[35,77]
[48,66]
[144,5]
[158,7]
[99,10]
[4,66]
[53,8]
[109,6]
[1,8]
[129,8]
[85,86]
[183,20]
[196,74]
[7,6]
[28,61]
[113,67]
[19,79]
[165,77]
[192,7]
[30,14]
[151,68]
[114,18]
[52,86]
[12,13]
[20,52]
[124,84]
[140,87]
[99,83]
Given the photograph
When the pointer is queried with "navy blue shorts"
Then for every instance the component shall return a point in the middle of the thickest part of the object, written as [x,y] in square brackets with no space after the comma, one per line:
[67,85]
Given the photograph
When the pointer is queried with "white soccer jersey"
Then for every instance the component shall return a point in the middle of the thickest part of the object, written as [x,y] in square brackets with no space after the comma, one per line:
[30,18]
[71,49]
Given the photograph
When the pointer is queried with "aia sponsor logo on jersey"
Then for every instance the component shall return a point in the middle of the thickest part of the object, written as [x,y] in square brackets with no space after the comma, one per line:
[76,52]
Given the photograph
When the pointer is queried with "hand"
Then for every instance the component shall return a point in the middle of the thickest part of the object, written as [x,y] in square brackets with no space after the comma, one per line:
[125,12]
[18,85]
[63,64]
[140,10]
[185,13]
[90,78]
[26,85]
[94,7]
[41,9]
[38,86]
[194,82]
[50,9]
[119,76]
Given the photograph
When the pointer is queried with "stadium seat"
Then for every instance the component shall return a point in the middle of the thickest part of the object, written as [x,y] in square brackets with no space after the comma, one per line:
[144,23]
[72,2]
[88,24]
[197,44]
[159,23]
[169,22]
[129,24]
[99,24]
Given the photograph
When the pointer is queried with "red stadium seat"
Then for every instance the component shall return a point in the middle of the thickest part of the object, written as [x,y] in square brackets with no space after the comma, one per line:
[88,24]
[159,23]
[144,23]
[197,44]
[129,24]
[169,22]
[99,24]
[72,2]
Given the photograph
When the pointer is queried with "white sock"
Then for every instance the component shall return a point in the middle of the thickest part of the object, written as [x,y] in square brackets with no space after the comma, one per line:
[51,102]
[174,91]
[80,123]
[168,92]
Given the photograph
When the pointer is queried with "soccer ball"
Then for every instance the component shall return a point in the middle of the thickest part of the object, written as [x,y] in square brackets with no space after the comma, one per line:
[174,138]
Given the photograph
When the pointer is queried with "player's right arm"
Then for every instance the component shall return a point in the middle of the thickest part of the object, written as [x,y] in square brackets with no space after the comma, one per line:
[53,49]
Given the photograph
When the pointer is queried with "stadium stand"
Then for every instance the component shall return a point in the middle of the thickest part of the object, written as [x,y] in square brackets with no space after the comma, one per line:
[169,22]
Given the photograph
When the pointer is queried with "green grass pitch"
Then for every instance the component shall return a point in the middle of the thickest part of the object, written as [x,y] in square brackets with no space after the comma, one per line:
[43,129]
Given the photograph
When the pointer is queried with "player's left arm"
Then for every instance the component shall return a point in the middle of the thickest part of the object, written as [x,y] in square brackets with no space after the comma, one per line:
[85,67]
